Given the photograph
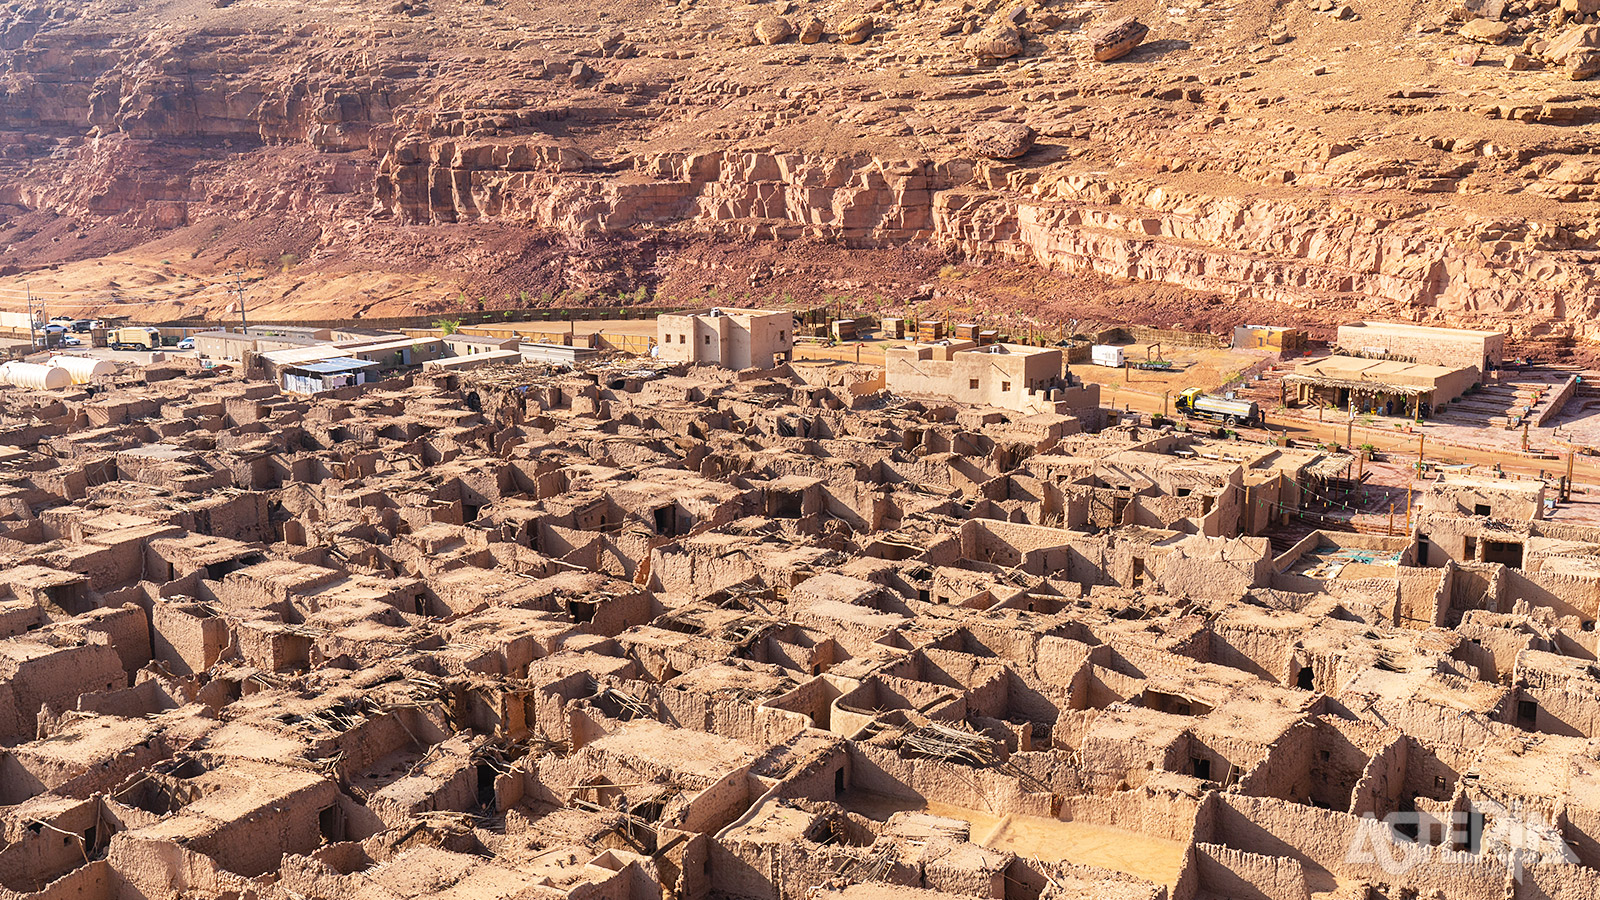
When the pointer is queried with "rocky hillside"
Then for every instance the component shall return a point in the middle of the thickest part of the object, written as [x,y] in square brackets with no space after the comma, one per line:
[1429,161]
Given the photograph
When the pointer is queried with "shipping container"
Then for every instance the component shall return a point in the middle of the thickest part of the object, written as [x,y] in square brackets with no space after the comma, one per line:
[1106,355]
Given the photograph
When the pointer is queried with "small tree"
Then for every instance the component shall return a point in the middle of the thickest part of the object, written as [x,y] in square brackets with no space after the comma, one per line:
[448,326]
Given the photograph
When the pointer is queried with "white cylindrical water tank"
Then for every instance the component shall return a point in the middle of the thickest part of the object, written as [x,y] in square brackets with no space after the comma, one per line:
[84,369]
[33,375]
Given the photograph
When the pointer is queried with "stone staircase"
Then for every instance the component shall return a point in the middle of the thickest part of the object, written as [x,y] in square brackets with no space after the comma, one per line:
[1500,405]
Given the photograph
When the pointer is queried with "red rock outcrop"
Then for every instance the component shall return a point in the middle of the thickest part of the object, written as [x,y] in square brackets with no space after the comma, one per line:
[1209,160]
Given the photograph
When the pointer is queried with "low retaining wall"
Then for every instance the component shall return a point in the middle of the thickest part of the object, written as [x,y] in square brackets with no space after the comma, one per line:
[1558,402]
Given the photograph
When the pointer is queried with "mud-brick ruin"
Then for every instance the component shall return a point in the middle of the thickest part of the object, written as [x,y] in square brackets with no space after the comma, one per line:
[639,631]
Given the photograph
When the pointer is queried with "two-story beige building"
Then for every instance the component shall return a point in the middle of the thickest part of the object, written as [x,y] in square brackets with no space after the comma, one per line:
[723,336]
[1008,376]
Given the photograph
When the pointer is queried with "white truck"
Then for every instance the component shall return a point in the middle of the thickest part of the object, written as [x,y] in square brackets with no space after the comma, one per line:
[1106,355]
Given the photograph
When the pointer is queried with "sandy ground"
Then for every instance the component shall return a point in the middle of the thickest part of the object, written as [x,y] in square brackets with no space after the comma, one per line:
[1192,367]
[1046,839]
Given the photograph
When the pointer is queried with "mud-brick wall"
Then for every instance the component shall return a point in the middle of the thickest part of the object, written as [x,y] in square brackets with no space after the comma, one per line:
[1226,872]
[1565,708]
[41,855]
[1423,595]
[1170,817]
[113,564]
[185,637]
[881,770]
[1554,881]
[1326,839]
[756,725]
[1285,773]
[1262,652]
[786,870]
[270,647]
[1382,782]
[812,699]
[254,843]
[126,628]
[722,802]
[1567,594]
[239,516]
[56,677]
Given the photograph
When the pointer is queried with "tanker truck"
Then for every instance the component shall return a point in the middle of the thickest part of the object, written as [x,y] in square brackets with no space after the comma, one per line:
[1196,404]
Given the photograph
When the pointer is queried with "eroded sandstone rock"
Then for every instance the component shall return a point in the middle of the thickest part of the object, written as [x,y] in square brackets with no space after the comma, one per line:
[1000,41]
[811,30]
[1582,37]
[1485,31]
[857,30]
[1001,140]
[1583,65]
[1117,38]
[773,29]
[1467,10]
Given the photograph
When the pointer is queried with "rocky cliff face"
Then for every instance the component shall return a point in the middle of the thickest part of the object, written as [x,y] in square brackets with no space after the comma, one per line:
[1272,154]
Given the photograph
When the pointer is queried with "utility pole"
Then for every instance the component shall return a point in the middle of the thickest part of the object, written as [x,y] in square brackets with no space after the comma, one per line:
[44,319]
[238,292]
[33,322]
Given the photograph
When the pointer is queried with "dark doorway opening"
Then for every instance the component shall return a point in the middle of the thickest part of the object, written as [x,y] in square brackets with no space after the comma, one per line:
[486,774]
[1508,553]
[789,504]
[330,822]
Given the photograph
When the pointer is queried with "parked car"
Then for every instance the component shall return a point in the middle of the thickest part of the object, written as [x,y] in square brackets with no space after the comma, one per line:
[53,328]
[82,326]
[186,344]
[70,341]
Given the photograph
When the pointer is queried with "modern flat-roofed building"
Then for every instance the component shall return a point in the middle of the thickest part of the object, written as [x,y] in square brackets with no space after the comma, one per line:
[722,336]
[226,344]
[1009,376]
[1449,347]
